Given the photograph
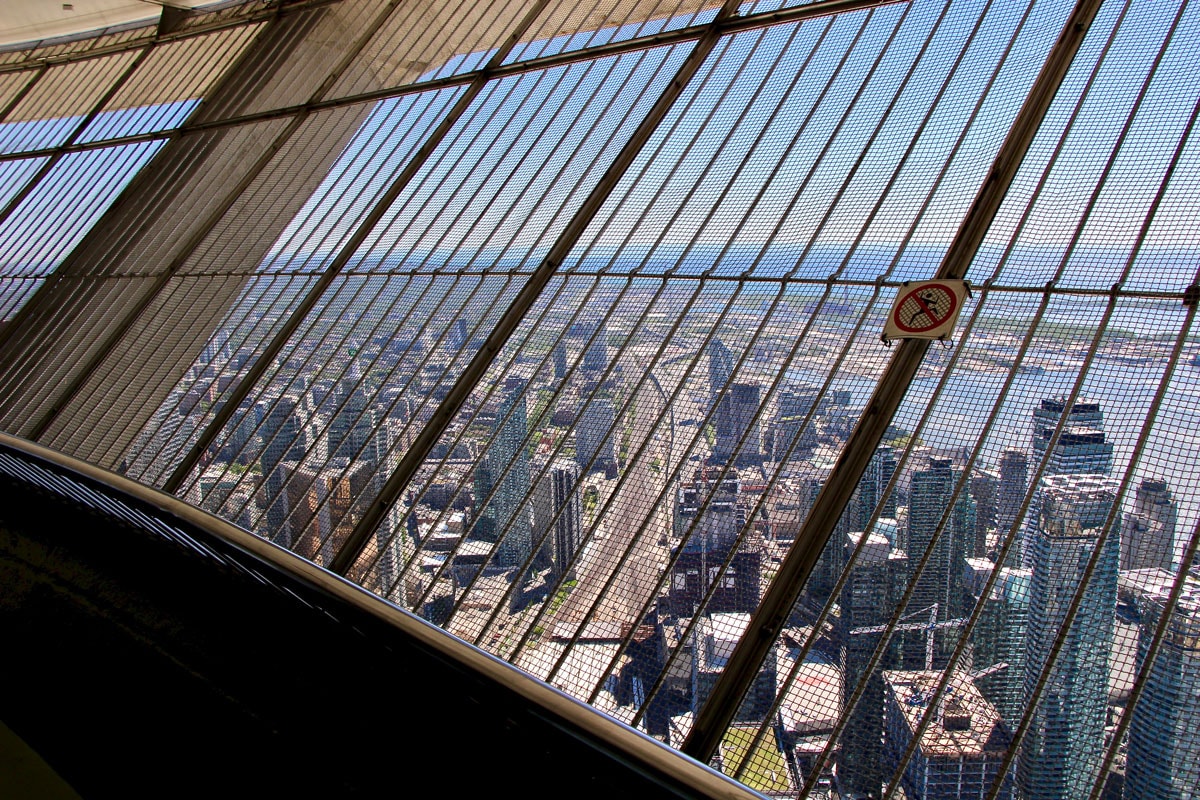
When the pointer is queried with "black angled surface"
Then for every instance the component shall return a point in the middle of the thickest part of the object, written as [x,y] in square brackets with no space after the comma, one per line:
[137,666]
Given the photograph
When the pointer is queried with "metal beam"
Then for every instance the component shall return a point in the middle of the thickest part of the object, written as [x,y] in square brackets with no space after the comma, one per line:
[718,712]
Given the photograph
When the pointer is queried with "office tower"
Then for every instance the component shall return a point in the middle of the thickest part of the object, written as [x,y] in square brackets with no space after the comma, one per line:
[393,545]
[832,560]
[998,639]
[595,354]
[509,456]
[961,750]
[941,581]
[870,490]
[1014,480]
[595,437]
[1060,756]
[871,591]
[1081,447]
[720,370]
[214,488]
[281,433]
[709,519]
[791,439]
[557,518]
[855,518]
[350,427]
[720,376]
[283,440]
[793,432]
[1163,759]
[483,517]
[236,446]
[738,435]
[1148,531]
[984,487]
[160,444]
[324,504]
[559,356]
[799,401]
[458,333]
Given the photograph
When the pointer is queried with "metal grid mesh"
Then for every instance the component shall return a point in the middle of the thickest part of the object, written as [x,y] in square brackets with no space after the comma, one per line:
[564,28]
[443,254]
[562,361]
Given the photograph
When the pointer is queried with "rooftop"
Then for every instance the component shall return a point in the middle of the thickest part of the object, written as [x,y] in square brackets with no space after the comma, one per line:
[966,725]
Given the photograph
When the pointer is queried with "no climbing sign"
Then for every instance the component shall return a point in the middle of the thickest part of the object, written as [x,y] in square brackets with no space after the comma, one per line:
[925,310]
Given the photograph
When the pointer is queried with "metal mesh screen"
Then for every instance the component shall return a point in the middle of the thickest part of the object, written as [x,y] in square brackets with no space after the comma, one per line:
[559,325]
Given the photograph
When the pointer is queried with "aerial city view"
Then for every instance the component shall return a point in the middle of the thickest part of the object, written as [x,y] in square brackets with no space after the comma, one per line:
[607,513]
[562,327]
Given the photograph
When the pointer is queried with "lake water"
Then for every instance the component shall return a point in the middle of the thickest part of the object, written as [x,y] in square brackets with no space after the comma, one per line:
[1125,392]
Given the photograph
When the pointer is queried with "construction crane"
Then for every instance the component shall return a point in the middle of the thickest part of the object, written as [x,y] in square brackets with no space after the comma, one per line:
[929,627]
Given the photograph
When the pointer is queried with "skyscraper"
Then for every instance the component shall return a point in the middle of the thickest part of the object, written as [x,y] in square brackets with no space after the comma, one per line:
[1014,480]
[793,432]
[283,439]
[999,636]
[872,589]
[557,519]
[1061,753]
[351,426]
[870,490]
[281,434]
[720,369]
[458,333]
[595,356]
[1163,761]
[1148,531]
[941,582]
[594,435]
[1082,448]
[509,456]
[855,518]
[558,356]
[711,519]
[720,375]
[738,433]
[984,487]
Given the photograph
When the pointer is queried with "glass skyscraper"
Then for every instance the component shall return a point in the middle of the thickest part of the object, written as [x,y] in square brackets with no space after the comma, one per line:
[1061,754]
[1163,760]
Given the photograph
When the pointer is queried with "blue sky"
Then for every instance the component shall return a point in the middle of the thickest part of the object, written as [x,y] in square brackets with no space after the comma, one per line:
[757,149]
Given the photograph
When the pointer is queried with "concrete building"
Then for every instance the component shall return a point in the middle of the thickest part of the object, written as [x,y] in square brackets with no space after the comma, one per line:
[959,753]
[1082,448]
[509,456]
[738,433]
[557,516]
[1014,481]
[595,436]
